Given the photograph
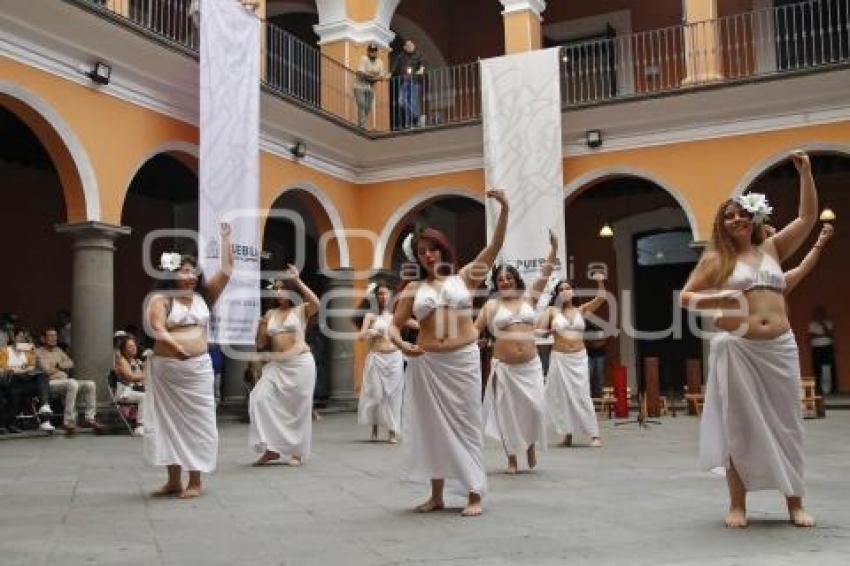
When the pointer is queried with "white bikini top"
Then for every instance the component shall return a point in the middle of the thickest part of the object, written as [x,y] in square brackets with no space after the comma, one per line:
[768,275]
[197,314]
[453,294]
[290,323]
[382,323]
[561,323]
[505,317]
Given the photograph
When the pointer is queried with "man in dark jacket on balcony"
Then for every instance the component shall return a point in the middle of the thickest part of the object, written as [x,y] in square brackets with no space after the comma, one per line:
[409,72]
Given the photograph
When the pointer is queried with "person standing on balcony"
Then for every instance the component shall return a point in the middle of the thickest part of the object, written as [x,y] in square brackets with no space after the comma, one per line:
[370,70]
[409,70]
[752,426]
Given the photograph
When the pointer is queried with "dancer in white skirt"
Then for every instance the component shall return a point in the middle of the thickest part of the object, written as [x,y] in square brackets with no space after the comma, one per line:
[752,423]
[383,375]
[514,401]
[180,428]
[441,429]
[281,403]
[568,401]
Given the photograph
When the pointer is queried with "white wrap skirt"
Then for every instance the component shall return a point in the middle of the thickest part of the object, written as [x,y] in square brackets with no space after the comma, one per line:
[568,401]
[381,394]
[515,405]
[179,417]
[281,407]
[753,414]
[441,430]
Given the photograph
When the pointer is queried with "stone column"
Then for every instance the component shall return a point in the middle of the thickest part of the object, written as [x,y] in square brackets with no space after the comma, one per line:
[337,318]
[523,31]
[702,42]
[92,302]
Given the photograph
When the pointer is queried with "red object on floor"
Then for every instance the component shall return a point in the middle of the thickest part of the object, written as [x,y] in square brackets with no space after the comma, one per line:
[621,407]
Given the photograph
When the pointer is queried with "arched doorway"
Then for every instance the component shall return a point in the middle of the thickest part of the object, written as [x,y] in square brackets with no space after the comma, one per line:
[36,282]
[647,253]
[163,195]
[780,183]
[451,214]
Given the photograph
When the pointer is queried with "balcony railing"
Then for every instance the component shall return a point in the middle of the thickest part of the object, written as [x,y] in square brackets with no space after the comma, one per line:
[784,39]
[788,38]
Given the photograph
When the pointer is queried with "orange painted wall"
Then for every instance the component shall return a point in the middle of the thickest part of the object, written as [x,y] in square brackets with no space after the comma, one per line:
[92,116]
[705,172]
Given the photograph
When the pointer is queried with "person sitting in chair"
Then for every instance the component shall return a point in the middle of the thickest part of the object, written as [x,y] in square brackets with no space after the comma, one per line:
[59,367]
[25,381]
[130,371]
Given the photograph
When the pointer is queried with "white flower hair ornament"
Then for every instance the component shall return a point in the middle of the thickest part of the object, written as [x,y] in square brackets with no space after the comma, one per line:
[407,248]
[757,205]
[549,289]
[371,288]
[170,261]
[270,284]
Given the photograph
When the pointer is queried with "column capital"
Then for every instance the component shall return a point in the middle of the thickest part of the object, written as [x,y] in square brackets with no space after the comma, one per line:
[92,229]
[536,7]
[357,32]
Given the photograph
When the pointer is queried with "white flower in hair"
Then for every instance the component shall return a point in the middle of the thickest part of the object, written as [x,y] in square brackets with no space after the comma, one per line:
[270,284]
[757,205]
[169,261]
[551,283]
[407,247]
[371,288]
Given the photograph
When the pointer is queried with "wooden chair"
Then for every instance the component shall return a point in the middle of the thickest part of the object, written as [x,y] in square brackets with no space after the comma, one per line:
[695,400]
[810,398]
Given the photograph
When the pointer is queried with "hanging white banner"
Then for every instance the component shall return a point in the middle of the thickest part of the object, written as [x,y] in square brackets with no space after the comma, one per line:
[521,114]
[229,161]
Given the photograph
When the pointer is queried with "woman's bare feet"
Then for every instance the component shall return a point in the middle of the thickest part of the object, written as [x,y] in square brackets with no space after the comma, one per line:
[736,518]
[532,457]
[295,461]
[596,442]
[168,490]
[430,505]
[797,514]
[373,436]
[512,465]
[191,492]
[473,506]
[568,441]
[268,456]
[392,438]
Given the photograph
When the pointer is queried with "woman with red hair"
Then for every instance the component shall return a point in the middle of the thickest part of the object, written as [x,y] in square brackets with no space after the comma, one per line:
[751,425]
[441,424]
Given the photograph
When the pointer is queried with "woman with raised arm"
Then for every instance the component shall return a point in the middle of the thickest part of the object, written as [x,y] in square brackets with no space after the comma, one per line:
[442,399]
[383,375]
[514,400]
[752,419]
[281,403]
[180,429]
[568,400]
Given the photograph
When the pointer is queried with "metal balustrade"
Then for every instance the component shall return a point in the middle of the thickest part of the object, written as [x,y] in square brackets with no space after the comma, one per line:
[787,38]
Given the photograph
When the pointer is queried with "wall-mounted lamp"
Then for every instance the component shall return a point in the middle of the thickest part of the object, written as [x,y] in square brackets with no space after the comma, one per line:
[606,231]
[593,138]
[299,150]
[827,215]
[100,73]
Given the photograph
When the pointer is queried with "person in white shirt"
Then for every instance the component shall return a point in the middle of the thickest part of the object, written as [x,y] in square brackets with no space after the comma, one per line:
[370,70]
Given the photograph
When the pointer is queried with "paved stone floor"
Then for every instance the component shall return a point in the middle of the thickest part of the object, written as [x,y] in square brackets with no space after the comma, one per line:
[639,500]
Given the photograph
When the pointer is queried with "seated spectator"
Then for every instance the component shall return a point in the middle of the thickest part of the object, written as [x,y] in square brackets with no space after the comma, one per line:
[130,371]
[59,367]
[22,381]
